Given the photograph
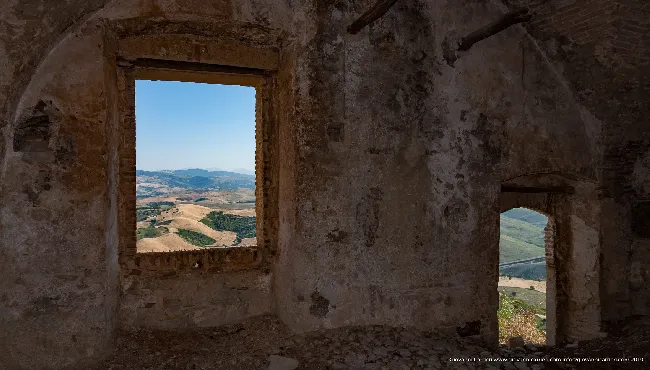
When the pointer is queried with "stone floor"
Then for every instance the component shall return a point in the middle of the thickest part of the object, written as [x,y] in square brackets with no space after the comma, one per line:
[253,343]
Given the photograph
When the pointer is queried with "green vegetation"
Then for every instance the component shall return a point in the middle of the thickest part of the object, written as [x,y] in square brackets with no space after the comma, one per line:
[160,204]
[143,213]
[514,249]
[527,215]
[533,298]
[200,199]
[529,271]
[522,230]
[245,227]
[151,210]
[522,237]
[194,238]
[149,232]
[518,319]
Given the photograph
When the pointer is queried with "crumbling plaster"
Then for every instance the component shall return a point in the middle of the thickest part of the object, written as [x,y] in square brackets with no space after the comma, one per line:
[389,164]
[436,144]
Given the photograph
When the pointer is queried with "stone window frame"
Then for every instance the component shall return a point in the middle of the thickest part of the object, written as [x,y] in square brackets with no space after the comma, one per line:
[562,197]
[210,259]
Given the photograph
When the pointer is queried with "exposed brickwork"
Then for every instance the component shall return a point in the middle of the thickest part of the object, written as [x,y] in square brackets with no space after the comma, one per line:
[624,23]
[602,48]
[265,171]
[631,31]
[211,260]
[549,239]
[582,21]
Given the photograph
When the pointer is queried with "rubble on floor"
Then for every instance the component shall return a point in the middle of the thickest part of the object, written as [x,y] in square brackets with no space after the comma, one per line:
[264,343]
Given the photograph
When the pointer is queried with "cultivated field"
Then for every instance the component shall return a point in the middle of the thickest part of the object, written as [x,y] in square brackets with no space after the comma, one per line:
[180,221]
[514,282]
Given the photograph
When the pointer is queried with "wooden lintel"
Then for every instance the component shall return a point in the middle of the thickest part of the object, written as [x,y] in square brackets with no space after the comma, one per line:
[534,189]
[192,67]
[451,46]
[374,13]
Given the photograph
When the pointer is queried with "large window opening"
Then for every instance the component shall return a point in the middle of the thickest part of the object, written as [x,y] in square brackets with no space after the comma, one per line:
[195,166]
[524,238]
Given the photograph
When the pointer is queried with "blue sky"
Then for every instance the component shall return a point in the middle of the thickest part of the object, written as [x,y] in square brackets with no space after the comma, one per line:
[191,125]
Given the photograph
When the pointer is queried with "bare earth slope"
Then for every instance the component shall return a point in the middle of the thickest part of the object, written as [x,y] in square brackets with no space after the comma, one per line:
[187,216]
[166,243]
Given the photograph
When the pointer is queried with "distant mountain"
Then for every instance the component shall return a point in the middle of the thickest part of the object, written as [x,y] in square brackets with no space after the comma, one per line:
[154,183]
[244,171]
[207,173]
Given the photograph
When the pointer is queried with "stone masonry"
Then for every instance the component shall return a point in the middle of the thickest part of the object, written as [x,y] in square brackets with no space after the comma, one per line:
[380,166]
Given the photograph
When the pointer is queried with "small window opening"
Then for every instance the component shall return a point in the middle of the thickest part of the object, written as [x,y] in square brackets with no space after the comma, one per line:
[195,166]
[522,277]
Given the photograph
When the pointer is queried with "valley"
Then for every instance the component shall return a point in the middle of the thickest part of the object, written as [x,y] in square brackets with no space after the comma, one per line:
[180,210]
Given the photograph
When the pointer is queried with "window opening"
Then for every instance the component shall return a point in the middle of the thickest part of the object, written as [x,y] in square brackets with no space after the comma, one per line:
[522,276]
[195,166]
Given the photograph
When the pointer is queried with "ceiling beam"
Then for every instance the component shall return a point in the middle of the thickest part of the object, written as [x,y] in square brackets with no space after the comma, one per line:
[374,13]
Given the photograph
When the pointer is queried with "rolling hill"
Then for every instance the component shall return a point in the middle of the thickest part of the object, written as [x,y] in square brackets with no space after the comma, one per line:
[526,215]
[522,236]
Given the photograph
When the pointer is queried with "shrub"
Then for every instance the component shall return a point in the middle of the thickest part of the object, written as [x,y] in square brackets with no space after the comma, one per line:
[517,319]
[160,204]
[528,271]
[194,238]
[148,232]
[143,213]
[152,209]
[245,227]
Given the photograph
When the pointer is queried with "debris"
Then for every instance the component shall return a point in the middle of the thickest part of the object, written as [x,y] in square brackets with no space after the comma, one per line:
[516,342]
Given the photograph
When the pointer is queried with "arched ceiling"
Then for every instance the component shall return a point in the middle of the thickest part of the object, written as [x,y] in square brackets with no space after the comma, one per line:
[601,47]
[27,29]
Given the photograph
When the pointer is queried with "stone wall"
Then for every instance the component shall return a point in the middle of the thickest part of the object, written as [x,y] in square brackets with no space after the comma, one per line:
[385,173]
[427,148]
[602,49]
[195,289]
[65,218]
[59,274]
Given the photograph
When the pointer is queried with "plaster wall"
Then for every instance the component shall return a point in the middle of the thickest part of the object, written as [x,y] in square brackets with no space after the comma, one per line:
[398,162]
[58,276]
[62,214]
[389,166]
[188,289]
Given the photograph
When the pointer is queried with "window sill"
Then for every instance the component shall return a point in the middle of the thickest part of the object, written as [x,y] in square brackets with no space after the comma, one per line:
[209,260]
